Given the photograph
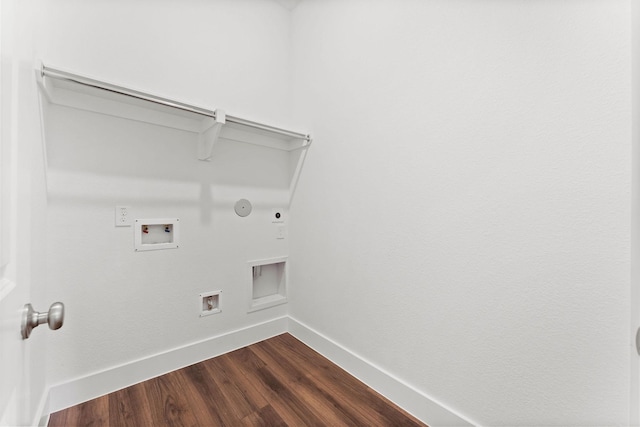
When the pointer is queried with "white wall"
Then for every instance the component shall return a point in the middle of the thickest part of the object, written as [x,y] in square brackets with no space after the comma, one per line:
[121,305]
[463,216]
[461,221]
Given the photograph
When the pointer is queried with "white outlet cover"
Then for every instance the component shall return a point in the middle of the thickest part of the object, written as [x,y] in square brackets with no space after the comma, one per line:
[123,216]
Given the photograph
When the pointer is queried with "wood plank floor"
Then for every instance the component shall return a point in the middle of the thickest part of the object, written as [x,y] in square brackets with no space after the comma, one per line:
[277,382]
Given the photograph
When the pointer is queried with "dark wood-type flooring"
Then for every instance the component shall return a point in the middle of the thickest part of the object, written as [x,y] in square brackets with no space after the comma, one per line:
[277,382]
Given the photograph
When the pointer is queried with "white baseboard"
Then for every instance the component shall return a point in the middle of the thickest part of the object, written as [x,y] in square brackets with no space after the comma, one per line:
[42,412]
[415,402]
[89,387]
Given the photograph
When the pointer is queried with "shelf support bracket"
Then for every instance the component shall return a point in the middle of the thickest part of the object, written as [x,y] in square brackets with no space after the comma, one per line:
[209,134]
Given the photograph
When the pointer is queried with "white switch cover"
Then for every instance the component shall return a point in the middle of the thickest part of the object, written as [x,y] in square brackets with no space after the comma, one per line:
[280,232]
[123,218]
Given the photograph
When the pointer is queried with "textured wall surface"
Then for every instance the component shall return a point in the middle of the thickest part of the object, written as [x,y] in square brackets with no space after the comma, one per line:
[463,216]
[462,220]
[121,305]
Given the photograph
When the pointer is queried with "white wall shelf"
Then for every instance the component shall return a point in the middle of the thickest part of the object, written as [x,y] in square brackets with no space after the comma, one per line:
[77,91]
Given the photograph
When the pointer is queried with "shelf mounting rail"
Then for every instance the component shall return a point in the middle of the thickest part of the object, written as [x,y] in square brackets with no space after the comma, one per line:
[219,117]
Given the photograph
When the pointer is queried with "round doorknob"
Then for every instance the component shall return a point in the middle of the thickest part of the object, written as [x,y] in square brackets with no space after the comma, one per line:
[56,316]
[31,318]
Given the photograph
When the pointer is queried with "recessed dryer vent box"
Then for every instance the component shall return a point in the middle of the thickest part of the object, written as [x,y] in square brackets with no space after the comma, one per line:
[156,233]
[267,283]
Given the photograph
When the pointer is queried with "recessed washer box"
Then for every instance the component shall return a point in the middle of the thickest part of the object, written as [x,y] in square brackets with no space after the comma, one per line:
[209,303]
[156,233]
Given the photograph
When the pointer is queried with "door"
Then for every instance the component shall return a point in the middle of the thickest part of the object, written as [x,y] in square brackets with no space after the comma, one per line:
[14,288]
[22,215]
[14,292]
[634,404]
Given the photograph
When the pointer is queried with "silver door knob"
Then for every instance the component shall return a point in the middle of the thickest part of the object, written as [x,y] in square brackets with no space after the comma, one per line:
[31,319]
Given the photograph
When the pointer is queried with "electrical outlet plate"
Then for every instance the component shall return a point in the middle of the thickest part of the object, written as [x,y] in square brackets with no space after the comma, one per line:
[123,217]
